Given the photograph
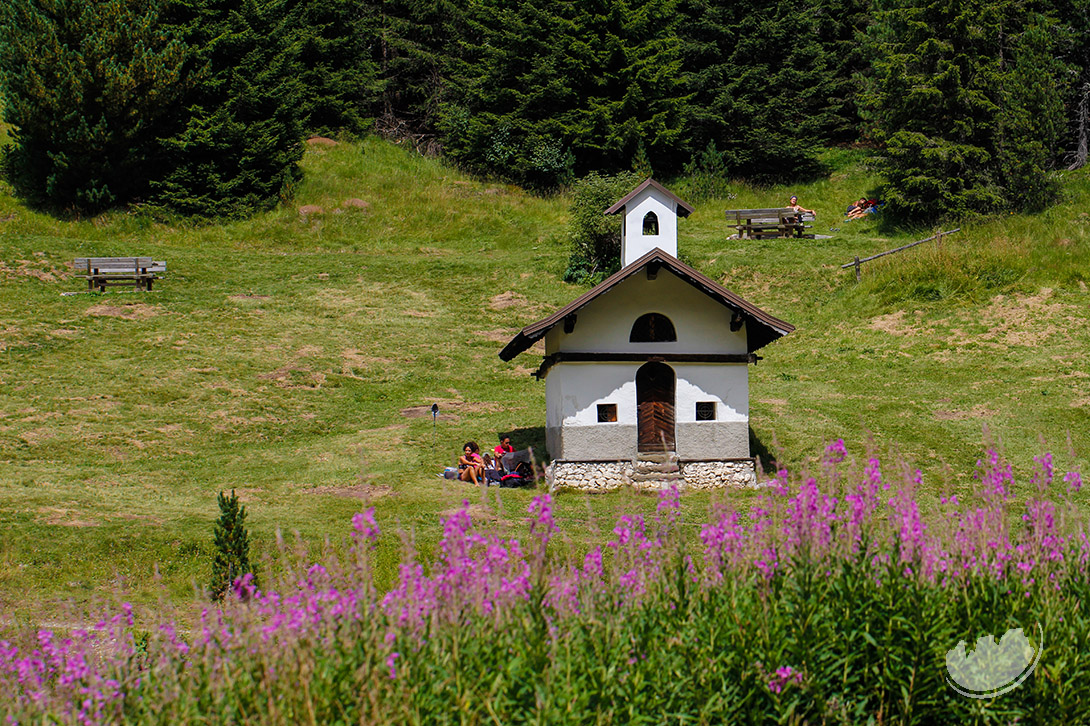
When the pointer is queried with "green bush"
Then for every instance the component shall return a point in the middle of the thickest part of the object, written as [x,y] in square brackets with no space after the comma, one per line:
[595,238]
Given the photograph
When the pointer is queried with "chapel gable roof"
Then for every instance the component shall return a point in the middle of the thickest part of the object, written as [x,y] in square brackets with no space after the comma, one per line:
[762,328]
[684,209]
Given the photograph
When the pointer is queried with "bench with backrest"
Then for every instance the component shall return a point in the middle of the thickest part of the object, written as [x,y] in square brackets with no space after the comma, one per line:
[759,223]
[102,272]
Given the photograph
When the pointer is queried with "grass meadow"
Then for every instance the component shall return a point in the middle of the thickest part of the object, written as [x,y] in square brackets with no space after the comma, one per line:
[291,357]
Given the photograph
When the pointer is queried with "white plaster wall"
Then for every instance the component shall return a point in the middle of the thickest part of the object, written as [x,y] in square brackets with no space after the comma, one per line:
[702,325]
[574,390]
[634,243]
[726,384]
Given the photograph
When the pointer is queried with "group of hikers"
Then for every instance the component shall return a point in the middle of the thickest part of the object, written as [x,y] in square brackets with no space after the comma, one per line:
[503,465]
[856,210]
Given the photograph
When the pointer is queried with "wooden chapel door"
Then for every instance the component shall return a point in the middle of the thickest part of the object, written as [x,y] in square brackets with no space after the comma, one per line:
[655,407]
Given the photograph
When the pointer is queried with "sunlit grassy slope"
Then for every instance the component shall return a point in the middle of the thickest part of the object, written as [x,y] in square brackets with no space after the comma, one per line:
[290,357]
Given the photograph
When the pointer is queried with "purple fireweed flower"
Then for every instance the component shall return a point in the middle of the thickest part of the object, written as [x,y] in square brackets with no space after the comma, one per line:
[781,484]
[808,524]
[872,473]
[637,555]
[995,477]
[776,681]
[835,452]
[364,528]
[87,674]
[390,660]
[669,502]
[1073,480]
[243,587]
[542,524]
[1045,471]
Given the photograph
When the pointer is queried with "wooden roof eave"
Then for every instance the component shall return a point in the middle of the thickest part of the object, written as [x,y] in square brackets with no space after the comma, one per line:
[766,328]
[684,209]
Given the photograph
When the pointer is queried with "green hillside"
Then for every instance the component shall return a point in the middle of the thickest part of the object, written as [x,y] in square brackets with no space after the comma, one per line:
[291,357]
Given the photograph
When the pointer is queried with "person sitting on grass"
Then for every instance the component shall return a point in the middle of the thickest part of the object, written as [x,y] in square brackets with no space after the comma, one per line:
[502,450]
[470,463]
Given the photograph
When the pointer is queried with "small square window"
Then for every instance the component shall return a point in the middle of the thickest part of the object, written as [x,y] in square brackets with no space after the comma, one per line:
[705,411]
[607,413]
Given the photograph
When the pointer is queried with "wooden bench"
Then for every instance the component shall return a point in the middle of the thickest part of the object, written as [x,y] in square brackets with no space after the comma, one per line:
[102,272]
[760,223]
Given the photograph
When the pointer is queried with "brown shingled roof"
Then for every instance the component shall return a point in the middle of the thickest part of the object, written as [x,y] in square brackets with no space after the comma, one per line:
[762,327]
[684,209]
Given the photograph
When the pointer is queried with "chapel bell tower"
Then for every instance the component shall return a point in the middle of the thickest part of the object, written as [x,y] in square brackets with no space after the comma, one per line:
[650,220]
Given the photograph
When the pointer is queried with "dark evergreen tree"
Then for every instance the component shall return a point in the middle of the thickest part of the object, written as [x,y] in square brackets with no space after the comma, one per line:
[414,42]
[546,89]
[89,87]
[1073,26]
[965,105]
[242,139]
[333,44]
[841,28]
[231,558]
[761,83]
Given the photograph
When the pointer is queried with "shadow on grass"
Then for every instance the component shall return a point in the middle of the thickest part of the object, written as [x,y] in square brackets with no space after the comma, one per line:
[765,458]
[533,437]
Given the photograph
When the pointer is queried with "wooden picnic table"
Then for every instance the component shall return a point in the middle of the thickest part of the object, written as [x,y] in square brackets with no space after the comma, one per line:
[101,272]
[772,222]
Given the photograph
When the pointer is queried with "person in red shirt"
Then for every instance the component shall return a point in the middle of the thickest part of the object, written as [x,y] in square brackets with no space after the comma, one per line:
[503,448]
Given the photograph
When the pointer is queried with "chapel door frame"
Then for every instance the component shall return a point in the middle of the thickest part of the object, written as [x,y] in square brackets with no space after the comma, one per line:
[656,391]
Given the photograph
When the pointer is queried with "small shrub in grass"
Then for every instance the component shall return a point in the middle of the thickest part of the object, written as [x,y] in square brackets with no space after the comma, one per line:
[830,599]
[231,558]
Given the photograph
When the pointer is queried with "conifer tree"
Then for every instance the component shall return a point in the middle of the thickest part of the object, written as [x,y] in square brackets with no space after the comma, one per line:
[242,138]
[333,42]
[544,90]
[760,81]
[231,559]
[415,42]
[1073,25]
[966,107]
[89,87]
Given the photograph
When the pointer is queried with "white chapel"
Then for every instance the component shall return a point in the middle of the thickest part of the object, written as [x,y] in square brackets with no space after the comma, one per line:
[647,374]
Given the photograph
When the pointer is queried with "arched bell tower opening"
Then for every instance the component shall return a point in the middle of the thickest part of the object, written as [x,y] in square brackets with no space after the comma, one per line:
[650,224]
[655,426]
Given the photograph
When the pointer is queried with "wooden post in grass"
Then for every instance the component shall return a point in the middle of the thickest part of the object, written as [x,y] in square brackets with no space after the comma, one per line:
[857,268]
[434,413]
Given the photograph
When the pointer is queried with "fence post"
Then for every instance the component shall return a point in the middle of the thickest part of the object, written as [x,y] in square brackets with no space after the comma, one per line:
[857,268]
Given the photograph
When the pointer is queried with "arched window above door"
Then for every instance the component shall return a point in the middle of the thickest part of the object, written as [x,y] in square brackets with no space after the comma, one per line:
[652,328]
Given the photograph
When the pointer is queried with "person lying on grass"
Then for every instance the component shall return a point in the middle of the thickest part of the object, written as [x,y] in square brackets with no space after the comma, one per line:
[862,208]
[857,208]
[470,463]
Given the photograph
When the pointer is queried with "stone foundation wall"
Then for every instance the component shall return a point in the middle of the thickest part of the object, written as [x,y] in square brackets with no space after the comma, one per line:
[719,474]
[603,476]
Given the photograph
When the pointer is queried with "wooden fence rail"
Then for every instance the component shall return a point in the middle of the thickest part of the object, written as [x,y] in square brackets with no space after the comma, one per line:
[859,261]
